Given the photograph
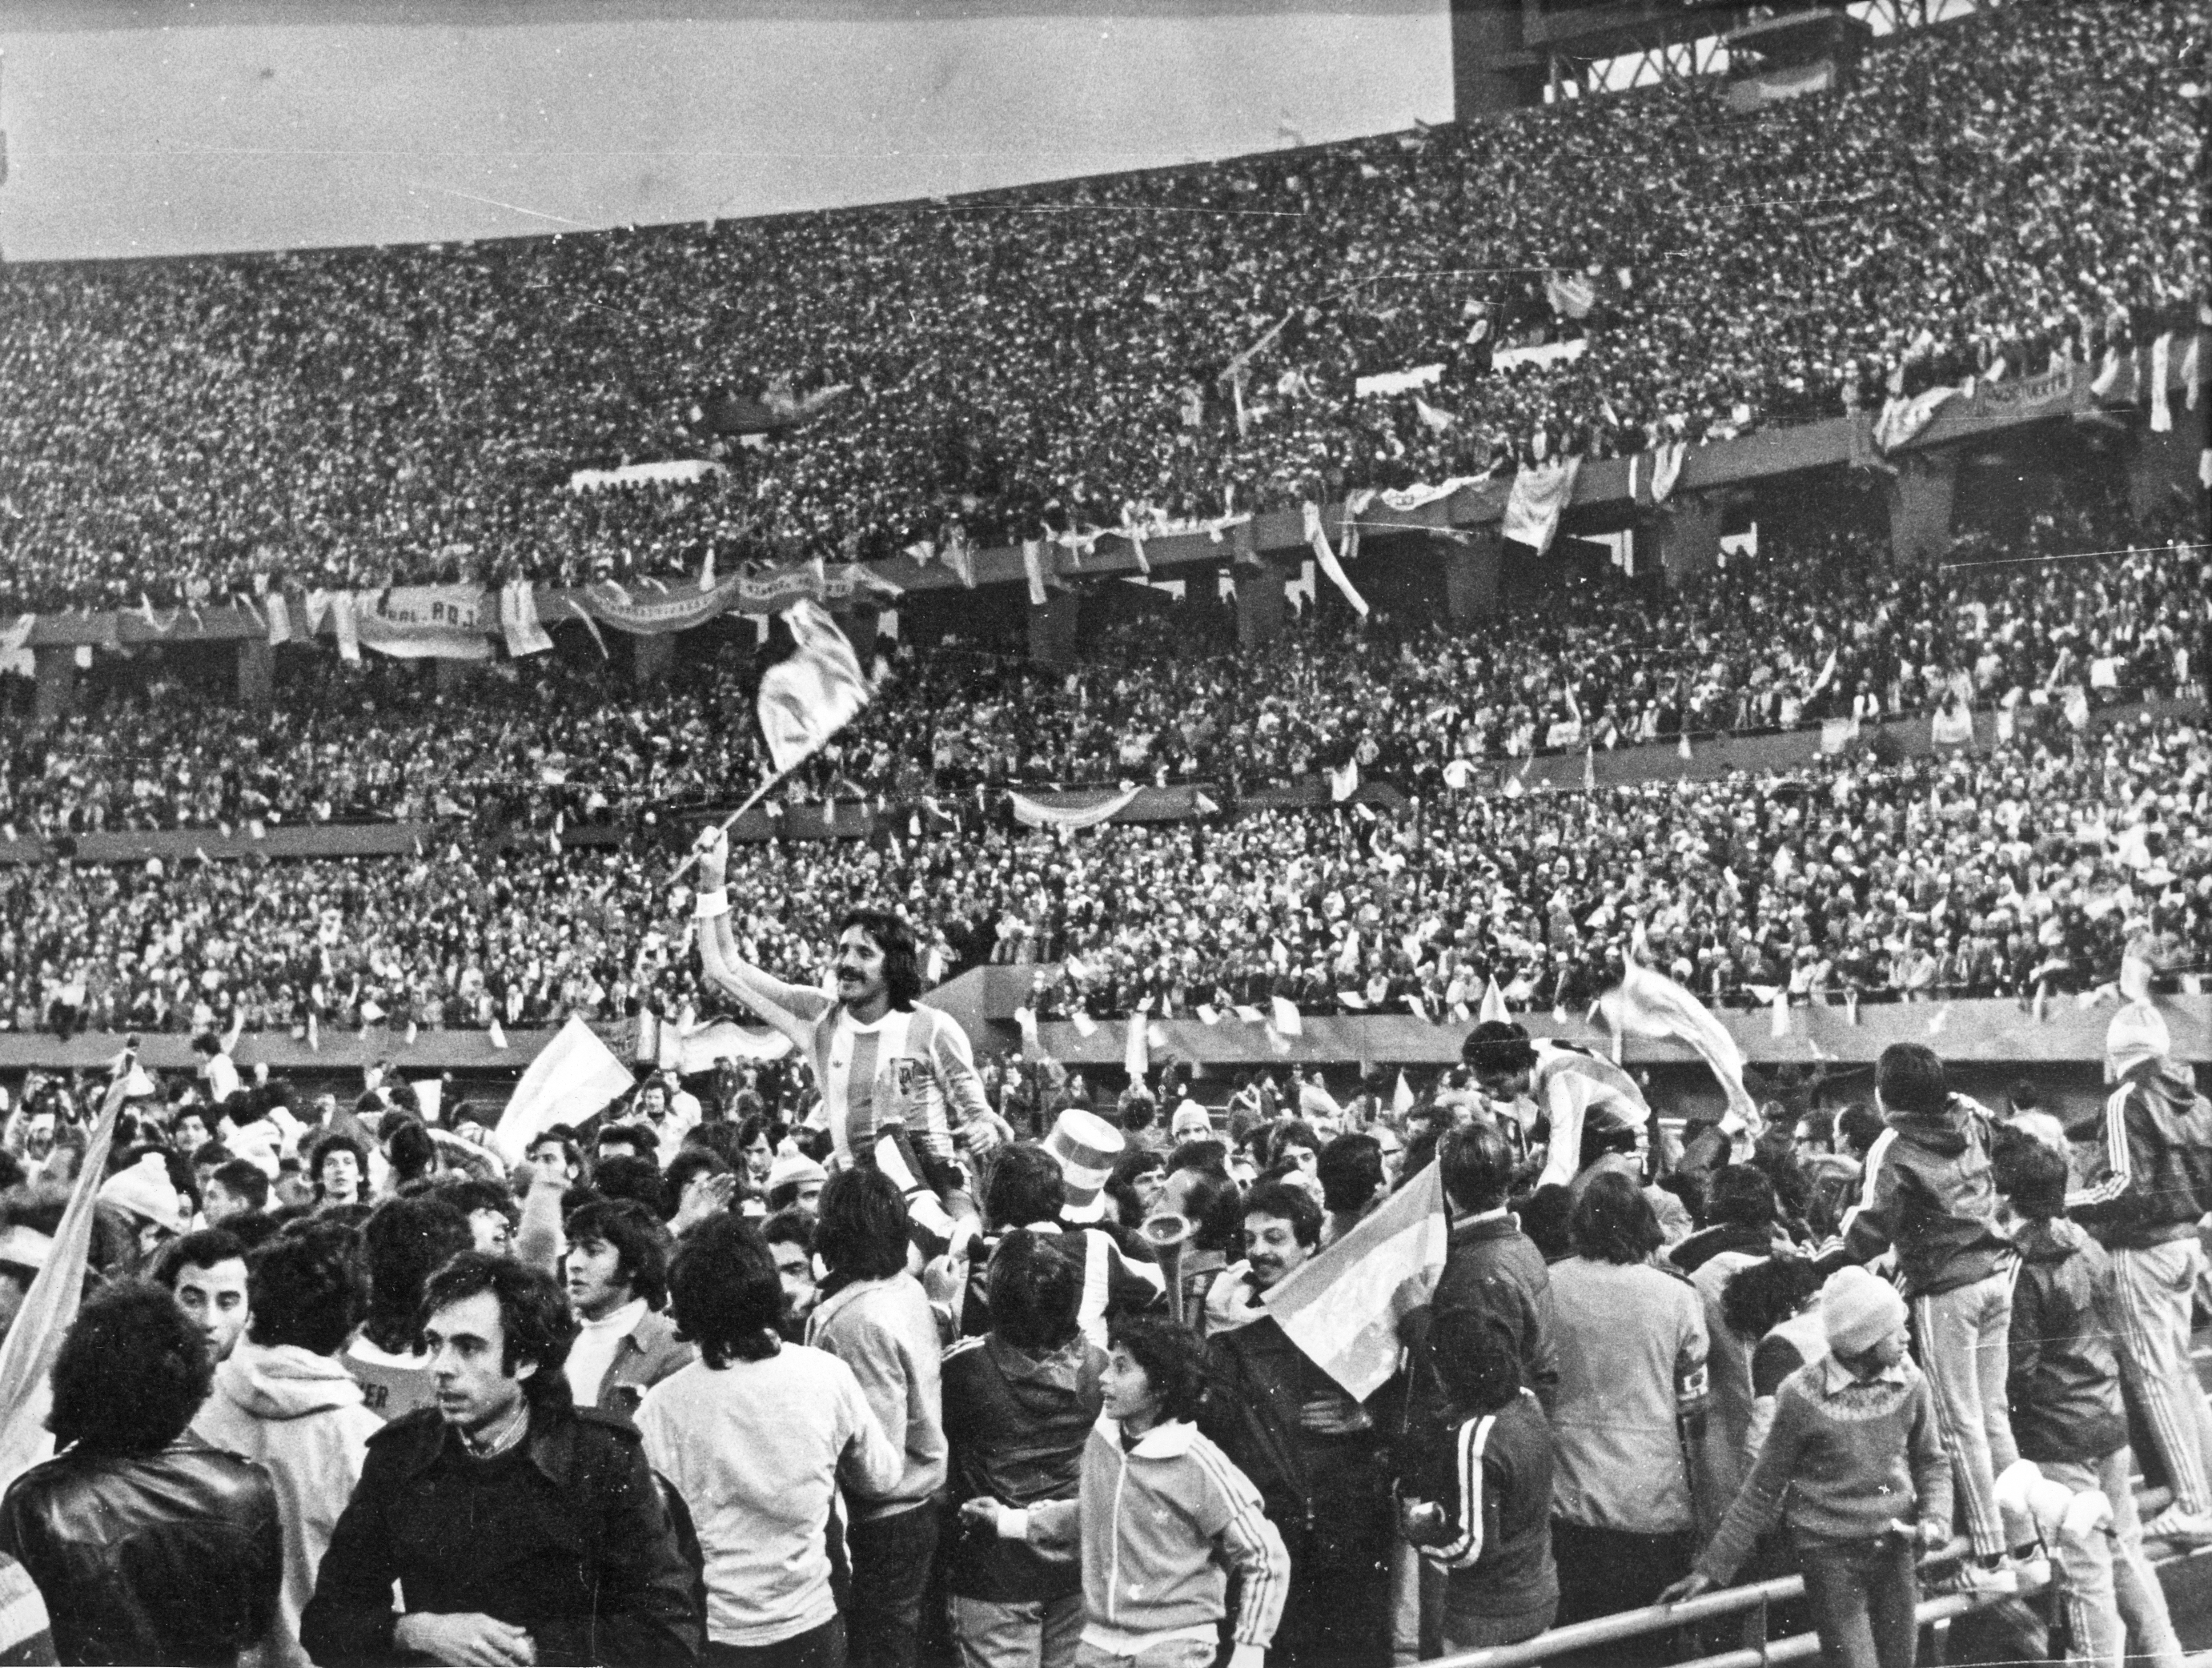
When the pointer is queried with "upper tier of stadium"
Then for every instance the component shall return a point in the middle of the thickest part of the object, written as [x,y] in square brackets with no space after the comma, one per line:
[1164,342]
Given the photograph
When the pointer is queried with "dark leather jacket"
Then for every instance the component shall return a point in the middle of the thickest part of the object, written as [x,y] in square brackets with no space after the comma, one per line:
[168,1557]
[567,1537]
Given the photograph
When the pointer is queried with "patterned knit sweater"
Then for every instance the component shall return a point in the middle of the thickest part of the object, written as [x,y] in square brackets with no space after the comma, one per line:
[1846,1457]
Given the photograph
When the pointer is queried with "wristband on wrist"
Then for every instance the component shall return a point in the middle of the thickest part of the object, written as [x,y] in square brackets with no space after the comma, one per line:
[711,904]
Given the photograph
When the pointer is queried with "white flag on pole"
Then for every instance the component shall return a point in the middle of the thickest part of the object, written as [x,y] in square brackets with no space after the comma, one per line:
[809,698]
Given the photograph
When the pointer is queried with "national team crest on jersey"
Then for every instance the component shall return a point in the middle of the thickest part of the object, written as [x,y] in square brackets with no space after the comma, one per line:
[911,1074]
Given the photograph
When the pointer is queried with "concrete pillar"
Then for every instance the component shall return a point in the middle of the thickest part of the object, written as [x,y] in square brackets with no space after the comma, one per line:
[1687,531]
[2161,466]
[55,698]
[1920,495]
[651,655]
[256,676]
[1471,576]
[860,629]
[1260,604]
[1052,628]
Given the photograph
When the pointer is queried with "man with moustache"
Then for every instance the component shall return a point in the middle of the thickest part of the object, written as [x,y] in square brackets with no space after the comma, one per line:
[1317,1457]
[900,1092]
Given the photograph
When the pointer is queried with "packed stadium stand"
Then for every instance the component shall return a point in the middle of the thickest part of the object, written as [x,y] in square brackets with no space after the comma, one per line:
[1536,622]
[189,430]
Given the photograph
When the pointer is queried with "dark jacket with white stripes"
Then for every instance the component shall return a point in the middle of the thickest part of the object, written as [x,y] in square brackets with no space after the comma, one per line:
[2138,1194]
[1927,1191]
[1492,1476]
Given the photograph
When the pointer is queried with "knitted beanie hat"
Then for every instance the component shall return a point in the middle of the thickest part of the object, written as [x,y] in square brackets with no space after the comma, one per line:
[1857,1311]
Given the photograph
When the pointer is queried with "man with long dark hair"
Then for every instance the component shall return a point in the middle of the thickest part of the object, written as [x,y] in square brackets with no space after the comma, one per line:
[1019,1404]
[148,1544]
[875,1319]
[520,1527]
[756,1436]
[1560,1085]
[617,1276]
[405,1241]
[899,1087]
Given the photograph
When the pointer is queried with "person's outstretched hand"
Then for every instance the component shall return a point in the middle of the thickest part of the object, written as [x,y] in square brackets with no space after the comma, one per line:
[712,849]
[1688,1587]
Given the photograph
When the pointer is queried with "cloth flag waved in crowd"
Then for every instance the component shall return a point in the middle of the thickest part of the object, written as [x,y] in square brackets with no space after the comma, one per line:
[807,699]
[26,1356]
[1649,1004]
[1345,1309]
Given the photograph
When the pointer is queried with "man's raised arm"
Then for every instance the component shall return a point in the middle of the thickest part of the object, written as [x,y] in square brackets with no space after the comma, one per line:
[792,1009]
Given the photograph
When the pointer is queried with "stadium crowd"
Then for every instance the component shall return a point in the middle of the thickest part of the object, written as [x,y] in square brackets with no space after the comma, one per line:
[1153,345]
[878,1354]
[2031,868]
[770,1372]
[1756,646]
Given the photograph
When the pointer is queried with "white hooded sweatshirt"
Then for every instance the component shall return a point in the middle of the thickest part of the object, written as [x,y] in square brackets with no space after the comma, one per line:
[299,1416]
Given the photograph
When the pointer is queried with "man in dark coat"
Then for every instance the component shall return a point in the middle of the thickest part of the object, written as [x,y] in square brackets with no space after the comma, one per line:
[520,1527]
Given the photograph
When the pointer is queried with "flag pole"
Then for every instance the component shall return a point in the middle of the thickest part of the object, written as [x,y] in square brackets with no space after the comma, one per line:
[813,694]
[758,794]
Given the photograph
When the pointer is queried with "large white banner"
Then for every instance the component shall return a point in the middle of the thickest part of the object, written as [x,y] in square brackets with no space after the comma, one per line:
[680,469]
[424,621]
[1549,352]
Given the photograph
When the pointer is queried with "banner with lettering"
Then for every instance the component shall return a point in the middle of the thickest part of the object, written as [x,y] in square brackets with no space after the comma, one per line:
[655,613]
[679,471]
[423,621]
[2055,392]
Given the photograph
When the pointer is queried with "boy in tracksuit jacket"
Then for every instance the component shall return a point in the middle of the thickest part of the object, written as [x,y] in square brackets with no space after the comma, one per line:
[1479,1497]
[1926,1191]
[2143,1208]
[2067,1413]
[1158,1511]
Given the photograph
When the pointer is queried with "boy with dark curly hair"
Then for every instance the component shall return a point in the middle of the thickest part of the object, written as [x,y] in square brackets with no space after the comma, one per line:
[1159,1512]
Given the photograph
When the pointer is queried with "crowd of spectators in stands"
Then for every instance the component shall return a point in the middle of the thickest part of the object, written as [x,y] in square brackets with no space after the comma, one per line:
[2032,867]
[1154,345]
[1816,625]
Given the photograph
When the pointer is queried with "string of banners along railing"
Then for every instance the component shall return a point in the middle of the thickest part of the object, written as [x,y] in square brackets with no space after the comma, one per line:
[459,622]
